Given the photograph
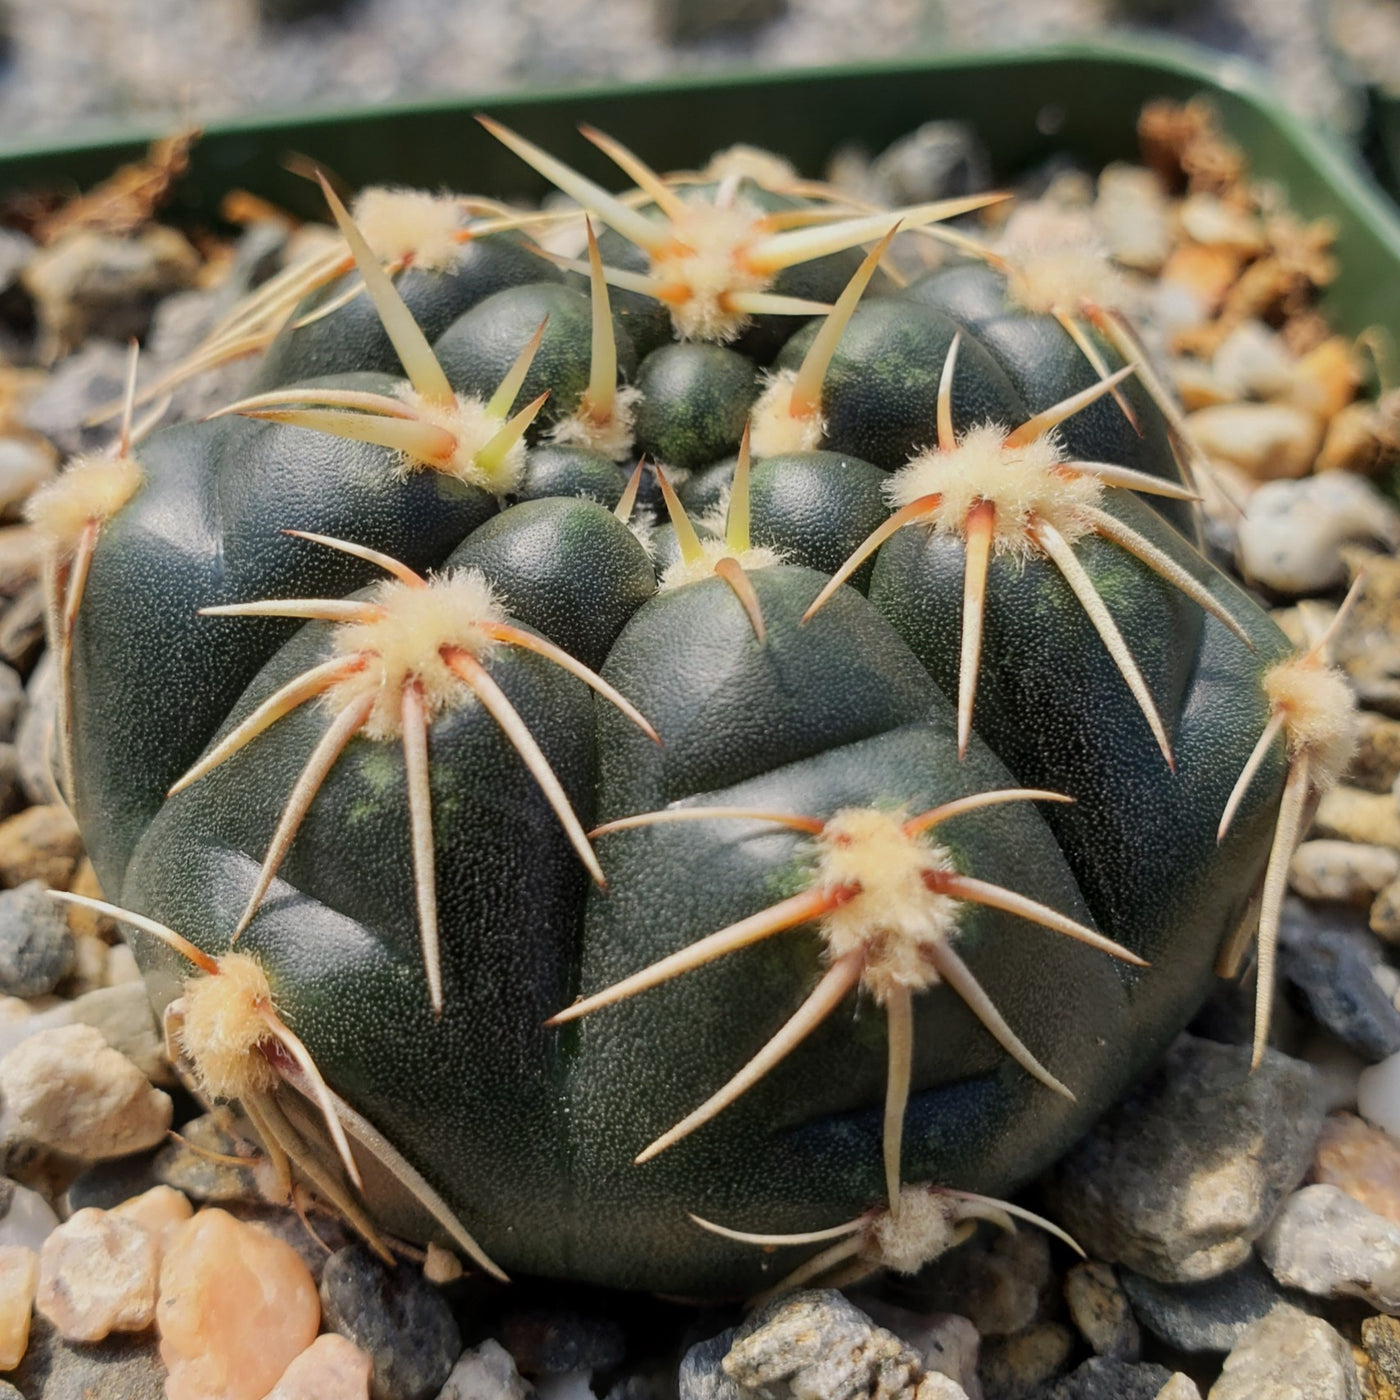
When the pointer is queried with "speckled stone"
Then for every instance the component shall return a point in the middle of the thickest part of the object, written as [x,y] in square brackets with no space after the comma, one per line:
[40,843]
[1180,1179]
[1333,967]
[554,1341]
[331,1367]
[1019,1367]
[1288,1355]
[36,947]
[1109,1378]
[1099,1308]
[488,1372]
[97,1275]
[1362,1161]
[397,1318]
[997,1280]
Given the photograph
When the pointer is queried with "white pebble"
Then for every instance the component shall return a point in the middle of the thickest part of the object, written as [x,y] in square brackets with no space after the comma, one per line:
[98,1274]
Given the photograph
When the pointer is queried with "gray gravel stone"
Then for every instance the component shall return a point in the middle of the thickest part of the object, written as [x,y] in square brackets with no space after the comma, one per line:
[1288,1356]
[80,384]
[121,1367]
[26,1218]
[702,1376]
[1099,1308]
[487,1372]
[396,1318]
[11,687]
[816,1345]
[202,1177]
[36,947]
[1330,1245]
[938,160]
[1021,1366]
[1107,1378]
[1331,967]
[35,737]
[1209,1316]
[1180,1179]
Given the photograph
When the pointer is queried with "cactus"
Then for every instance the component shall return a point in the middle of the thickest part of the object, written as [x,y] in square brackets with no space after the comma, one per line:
[752,864]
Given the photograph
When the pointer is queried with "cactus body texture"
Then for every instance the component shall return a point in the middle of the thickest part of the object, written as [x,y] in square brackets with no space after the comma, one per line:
[830,714]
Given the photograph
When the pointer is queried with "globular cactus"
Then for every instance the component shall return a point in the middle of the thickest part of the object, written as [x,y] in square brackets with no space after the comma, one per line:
[612,892]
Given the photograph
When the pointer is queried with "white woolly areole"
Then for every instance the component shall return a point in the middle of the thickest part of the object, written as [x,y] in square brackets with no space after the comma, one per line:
[612,437]
[706,258]
[894,917]
[750,163]
[411,226]
[472,428]
[406,643]
[1065,280]
[684,571]
[773,428]
[925,1228]
[1022,482]
[222,1026]
[90,490]
[1320,715]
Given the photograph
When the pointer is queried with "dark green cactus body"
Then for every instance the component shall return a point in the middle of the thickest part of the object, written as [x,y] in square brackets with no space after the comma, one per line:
[528,1131]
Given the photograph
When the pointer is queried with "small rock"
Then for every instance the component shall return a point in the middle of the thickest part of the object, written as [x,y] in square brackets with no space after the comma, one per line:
[1269,441]
[67,1089]
[1100,1309]
[1132,217]
[19,1277]
[997,1280]
[816,1343]
[1362,1161]
[40,843]
[88,283]
[22,629]
[1378,1095]
[12,794]
[1021,1366]
[283,1223]
[1108,1378]
[236,1309]
[1326,380]
[1288,1355]
[1209,1316]
[1180,1387]
[21,558]
[108,1185]
[487,1372]
[1380,1336]
[701,1375]
[1331,1246]
[122,1015]
[80,384]
[26,463]
[1353,815]
[1292,534]
[401,1321]
[160,1212]
[1193,283]
[36,948]
[329,1367]
[947,1343]
[1345,871]
[35,739]
[1212,222]
[97,1274]
[441,1266]
[26,1218]
[1336,970]
[1252,362]
[551,1342]
[1180,1178]
[201,1176]
[938,160]
[1384,917]
[124,1366]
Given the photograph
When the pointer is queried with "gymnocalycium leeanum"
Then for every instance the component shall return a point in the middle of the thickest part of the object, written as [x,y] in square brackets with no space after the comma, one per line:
[682,767]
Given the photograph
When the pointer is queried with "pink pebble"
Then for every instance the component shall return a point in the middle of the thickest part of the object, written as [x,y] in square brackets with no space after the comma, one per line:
[331,1366]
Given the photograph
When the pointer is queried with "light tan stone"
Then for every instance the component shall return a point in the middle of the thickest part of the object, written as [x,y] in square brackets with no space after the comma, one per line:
[331,1366]
[97,1275]
[19,1276]
[40,843]
[161,1211]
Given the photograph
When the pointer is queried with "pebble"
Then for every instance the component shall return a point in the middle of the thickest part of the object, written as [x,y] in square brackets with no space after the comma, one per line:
[161,1212]
[817,1343]
[36,947]
[1268,441]
[1351,814]
[1380,1338]
[81,383]
[200,1176]
[236,1308]
[121,1014]
[11,684]
[1180,1178]
[1346,871]
[1021,1366]
[92,284]
[19,1277]
[21,558]
[1132,217]
[97,1274]
[938,160]
[551,1342]
[12,794]
[1336,970]
[110,1184]
[35,737]
[1252,362]
[331,1368]
[488,1372]
[1362,1161]
[1099,1308]
[124,1366]
[401,1321]
[701,1375]
[1209,220]
[40,843]
[997,1280]
[1292,534]
[283,1223]
[26,463]
[947,1342]
[26,1218]
[1384,917]
[22,629]
[1331,1246]
[67,1089]
[1180,1387]
[1288,1355]
[1378,1095]
[1109,1378]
